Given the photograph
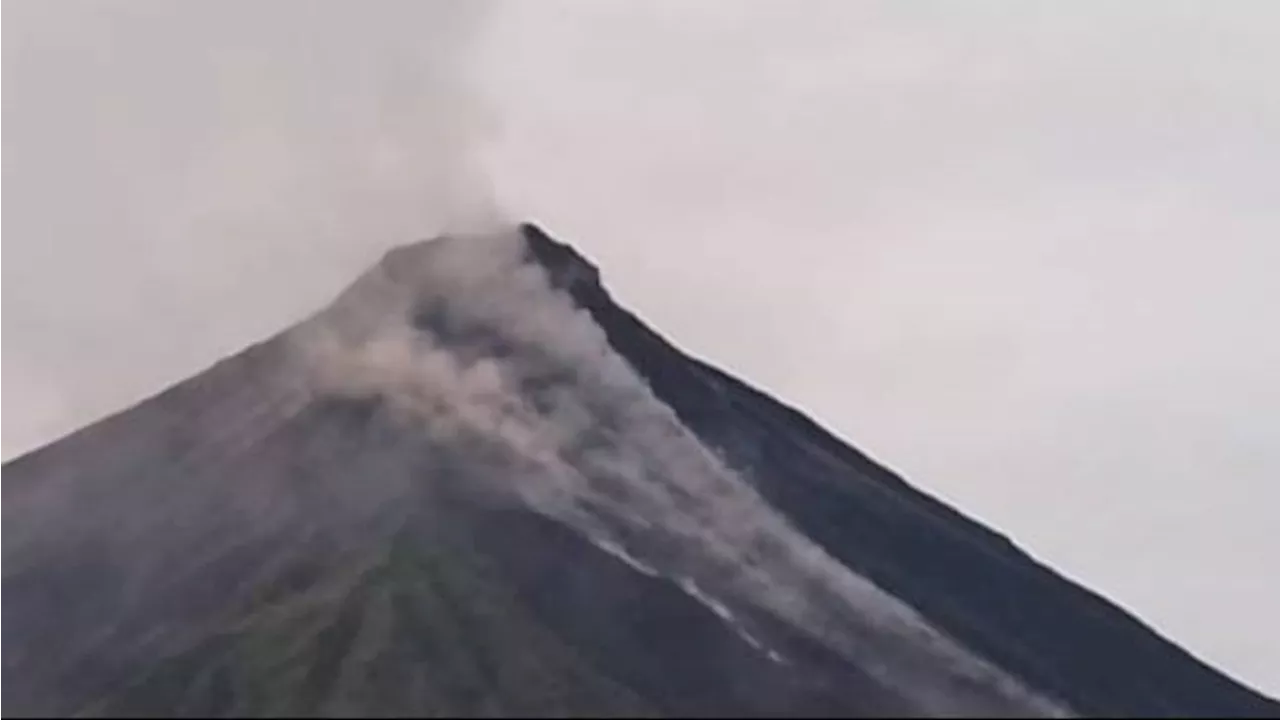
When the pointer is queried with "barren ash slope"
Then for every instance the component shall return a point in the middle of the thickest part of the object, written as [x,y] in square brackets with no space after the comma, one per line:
[475,485]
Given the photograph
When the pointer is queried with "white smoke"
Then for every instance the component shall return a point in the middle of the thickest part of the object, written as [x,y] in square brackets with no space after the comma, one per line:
[185,179]
[506,358]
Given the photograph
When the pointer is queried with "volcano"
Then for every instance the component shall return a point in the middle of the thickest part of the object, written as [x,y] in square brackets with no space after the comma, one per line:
[476,485]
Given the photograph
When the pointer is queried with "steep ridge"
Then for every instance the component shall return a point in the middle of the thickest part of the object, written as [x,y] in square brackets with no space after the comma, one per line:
[475,485]
[971,581]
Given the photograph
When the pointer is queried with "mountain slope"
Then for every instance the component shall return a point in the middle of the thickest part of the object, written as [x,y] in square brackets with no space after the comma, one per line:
[969,580]
[475,485]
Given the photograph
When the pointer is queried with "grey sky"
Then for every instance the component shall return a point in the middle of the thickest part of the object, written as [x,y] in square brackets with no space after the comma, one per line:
[1022,252]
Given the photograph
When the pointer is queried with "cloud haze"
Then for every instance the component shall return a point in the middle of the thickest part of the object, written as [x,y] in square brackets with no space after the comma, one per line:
[1022,252]
[185,179]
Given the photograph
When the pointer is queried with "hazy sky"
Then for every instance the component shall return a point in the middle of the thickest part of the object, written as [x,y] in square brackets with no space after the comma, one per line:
[1023,252]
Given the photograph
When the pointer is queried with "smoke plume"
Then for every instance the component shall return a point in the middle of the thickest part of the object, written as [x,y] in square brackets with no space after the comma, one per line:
[466,340]
[233,162]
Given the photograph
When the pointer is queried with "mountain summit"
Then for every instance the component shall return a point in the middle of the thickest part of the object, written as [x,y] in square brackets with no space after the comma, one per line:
[475,485]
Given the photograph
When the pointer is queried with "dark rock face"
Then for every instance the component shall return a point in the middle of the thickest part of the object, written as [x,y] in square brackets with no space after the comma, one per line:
[968,579]
[252,543]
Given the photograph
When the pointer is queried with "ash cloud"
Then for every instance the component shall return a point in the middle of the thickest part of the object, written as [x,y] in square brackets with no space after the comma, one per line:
[464,339]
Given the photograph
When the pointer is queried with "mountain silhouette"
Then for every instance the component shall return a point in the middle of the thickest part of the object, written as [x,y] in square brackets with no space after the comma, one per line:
[476,485]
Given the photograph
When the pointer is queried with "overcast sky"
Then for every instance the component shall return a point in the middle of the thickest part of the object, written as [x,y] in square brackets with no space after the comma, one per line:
[1023,252]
